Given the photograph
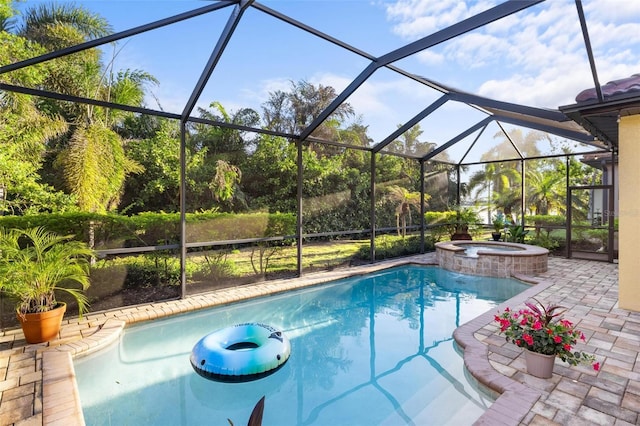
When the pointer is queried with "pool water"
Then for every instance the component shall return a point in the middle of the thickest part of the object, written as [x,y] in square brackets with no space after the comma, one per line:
[471,250]
[368,350]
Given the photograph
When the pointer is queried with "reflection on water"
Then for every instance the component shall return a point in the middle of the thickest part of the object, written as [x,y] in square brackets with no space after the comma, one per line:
[364,351]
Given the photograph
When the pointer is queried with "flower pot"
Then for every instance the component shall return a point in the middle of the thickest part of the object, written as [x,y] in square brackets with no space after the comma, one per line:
[461,236]
[539,365]
[42,326]
[496,236]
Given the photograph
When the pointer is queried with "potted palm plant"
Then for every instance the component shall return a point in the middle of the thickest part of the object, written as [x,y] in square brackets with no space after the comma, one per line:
[464,217]
[34,265]
[498,225]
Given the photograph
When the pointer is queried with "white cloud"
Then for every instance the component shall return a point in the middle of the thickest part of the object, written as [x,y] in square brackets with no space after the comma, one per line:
[429,57]
[256,95]
[476,50]
[613,10]
[611,36]
[270,86]
[338,82]
[367,99]
[417,18]
[546,90]
[616,71]
[536,57]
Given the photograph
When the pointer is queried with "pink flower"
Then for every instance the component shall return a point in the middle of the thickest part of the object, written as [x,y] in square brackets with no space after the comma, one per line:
[537,325]
[567,347]
[596,366]
[527,338]
[557,339]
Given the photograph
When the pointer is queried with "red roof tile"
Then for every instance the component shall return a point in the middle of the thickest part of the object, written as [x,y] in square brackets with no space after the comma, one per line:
[616,87]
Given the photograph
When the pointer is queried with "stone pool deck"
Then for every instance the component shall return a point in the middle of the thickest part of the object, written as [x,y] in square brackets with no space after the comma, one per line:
[37,381]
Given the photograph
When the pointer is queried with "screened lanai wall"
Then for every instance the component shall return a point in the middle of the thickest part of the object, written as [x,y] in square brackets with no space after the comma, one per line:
[341,191]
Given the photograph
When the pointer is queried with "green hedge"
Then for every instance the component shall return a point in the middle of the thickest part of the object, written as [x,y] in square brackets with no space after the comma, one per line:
[149,229]
[391,246]
[440,218]
[545,220]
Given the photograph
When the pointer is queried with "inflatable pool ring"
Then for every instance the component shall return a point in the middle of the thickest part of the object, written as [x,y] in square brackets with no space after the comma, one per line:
[240,353]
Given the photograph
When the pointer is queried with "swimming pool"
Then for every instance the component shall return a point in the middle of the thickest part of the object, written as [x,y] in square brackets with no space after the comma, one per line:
[374,349]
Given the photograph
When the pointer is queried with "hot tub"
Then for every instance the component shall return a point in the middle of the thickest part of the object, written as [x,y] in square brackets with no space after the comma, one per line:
[491,258]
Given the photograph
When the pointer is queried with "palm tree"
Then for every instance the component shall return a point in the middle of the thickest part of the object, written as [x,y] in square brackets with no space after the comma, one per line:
[501,183]
[293,111]
[501,179]
[404,200]
[230,144]
[409,140]
[55,27]
[545,191]
[224,184]
[95,167]
[127,88]
[40,21]
[222,150]
[7,19]
[26,130]
[92,157]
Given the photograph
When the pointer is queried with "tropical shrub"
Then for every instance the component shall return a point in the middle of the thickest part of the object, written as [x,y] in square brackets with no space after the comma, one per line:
[551,243]
[516,233]
[390,246]
[139,271]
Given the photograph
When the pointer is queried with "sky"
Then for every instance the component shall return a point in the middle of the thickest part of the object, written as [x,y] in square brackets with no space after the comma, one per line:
[536,57]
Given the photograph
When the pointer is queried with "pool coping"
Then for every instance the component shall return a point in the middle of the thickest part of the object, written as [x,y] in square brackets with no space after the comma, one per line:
[60,398]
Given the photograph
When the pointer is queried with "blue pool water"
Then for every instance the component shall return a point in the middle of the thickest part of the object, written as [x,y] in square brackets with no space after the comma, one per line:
[472,249]
[369,350]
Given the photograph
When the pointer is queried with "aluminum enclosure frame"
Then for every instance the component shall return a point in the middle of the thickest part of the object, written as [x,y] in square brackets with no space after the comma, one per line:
[550,121]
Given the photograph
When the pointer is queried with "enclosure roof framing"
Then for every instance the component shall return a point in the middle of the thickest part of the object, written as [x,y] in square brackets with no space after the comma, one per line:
[585,123]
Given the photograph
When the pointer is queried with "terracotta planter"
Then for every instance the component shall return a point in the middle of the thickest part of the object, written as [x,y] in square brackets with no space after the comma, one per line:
[461,236]
[539,365]
[43,326]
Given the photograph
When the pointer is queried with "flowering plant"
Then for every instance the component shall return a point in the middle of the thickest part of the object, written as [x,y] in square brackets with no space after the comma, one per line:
[540,329]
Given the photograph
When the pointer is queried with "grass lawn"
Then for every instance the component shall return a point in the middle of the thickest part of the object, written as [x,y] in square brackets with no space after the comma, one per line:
[314,256]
